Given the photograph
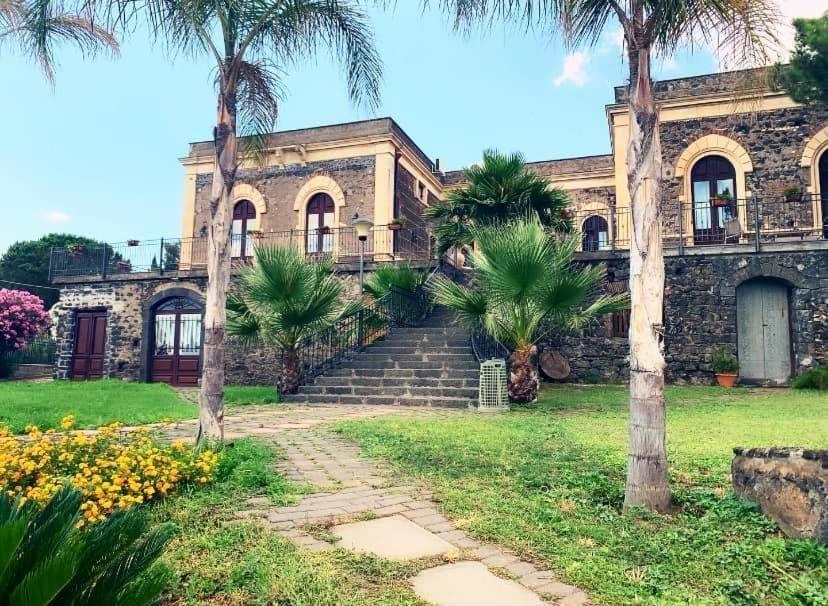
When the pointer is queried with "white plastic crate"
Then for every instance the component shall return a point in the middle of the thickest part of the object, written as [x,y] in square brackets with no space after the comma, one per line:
[494,394]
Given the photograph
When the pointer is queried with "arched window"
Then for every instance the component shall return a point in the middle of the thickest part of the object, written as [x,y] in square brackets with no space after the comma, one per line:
[596,234]
[823,188]
[244,220]
[714,199]
[319,223]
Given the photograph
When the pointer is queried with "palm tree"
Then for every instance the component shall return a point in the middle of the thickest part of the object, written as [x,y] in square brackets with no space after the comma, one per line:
[499,189]
[36,25]
[281,300]
[744,31]
[251,42]
[525,287]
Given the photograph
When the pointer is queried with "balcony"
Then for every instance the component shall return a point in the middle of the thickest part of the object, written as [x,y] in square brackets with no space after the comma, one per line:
[706,227]
[188,256]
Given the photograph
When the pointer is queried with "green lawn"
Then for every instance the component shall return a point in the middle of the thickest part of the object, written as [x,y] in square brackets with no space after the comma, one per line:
[216,560]
[548,481]
[96,403]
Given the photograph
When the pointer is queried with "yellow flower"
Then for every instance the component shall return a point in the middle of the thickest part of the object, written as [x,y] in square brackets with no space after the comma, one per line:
[67,422]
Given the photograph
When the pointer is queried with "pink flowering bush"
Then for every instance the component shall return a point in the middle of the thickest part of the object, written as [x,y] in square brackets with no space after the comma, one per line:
[22,318]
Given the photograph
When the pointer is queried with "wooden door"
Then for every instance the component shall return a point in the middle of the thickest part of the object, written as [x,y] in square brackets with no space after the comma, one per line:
[712,176]
[320,215]
[176,349]
[90,344]
[764,333]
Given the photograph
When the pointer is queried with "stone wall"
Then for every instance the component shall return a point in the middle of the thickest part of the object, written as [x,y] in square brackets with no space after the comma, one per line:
[280,188]
[790,485]
[700,313]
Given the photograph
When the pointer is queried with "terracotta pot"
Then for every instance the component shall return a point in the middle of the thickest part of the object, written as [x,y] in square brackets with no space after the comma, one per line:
[793,197]
[395,226]
[726,379]
[719,201]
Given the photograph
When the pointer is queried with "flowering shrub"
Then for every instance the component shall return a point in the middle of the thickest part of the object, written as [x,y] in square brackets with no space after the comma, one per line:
[22,318]
[111,471]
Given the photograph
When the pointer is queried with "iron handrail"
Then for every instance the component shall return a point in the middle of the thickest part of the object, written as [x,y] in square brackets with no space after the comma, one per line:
[486,347]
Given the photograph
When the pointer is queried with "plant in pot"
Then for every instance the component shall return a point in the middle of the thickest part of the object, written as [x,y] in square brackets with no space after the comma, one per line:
[255,233]
[726,366]
[792,194]
[133,242]
[324,230]
[722,199]
[396,224]
[76,249]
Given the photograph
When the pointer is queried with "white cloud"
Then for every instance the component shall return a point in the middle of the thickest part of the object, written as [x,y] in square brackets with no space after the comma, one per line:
[53,216]
[612,42]
[574,69]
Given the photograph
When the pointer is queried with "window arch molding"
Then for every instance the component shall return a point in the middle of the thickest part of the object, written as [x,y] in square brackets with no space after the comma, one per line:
[585,212]
[711,145]
[320,184]
[815,149]
[245,191]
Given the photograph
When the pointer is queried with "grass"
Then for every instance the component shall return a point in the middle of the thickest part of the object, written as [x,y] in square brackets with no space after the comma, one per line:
[216,560]
[95,403]
[548,481]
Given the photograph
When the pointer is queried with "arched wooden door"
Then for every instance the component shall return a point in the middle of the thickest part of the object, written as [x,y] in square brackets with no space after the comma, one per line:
[244,220]
[176,347]
[596,234]
[714,199]
[764,331]
[319,224]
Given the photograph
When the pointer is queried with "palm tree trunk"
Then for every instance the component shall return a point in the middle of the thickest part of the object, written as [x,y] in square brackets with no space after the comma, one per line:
[647,482]
[211,398]
[523,375]
[290,373]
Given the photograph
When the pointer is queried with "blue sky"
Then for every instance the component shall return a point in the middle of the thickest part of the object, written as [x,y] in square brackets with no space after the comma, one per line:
[97,155]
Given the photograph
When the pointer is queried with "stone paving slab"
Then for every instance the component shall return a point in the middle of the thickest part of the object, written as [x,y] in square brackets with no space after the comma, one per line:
[470,584]
[392,538]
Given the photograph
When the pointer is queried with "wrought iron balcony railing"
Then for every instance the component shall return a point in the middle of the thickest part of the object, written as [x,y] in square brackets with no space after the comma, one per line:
[181,255]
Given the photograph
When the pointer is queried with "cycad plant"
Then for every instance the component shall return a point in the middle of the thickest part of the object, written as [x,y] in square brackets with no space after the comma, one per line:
[525,287]
[45,559]
[499,189]
[282,299]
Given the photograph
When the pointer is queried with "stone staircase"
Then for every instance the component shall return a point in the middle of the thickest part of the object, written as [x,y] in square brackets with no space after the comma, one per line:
[430,365]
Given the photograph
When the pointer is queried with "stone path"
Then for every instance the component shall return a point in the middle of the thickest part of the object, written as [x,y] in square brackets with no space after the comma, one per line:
[365,510]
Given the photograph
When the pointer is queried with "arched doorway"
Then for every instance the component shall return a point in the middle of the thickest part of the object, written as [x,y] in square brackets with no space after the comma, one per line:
[596,234]
[764,331]
[176,342]
[319,222]
[713,185]
[823,188]
[244,220]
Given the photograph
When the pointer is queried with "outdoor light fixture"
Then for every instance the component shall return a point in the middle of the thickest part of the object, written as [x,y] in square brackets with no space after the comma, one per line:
[362,227]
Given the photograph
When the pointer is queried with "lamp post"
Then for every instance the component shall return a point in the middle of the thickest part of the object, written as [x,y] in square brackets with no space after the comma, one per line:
[363,228]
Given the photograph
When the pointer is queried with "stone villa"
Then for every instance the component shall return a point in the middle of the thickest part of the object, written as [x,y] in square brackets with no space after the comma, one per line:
[746,229]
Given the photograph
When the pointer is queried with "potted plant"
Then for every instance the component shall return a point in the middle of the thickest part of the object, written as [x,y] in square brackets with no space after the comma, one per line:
[792,194]
[324,230]
[76,249]
[255,233]
[133,242]
[396,224]
[123,265]
[722,199]
[726,366]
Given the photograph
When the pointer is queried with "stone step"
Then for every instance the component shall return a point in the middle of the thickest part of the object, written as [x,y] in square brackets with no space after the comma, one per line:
[385,400]
[361,390]
[397,382]
[439,356]
[394,348]
[404,373]
[452,331]
[360,363]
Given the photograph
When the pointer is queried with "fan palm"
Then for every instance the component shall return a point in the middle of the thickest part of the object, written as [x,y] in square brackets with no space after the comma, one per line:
[36,25]
[251,42]
[45,559]
[499,189]
[281,300]
[526,287]
[744,31]
[400,286]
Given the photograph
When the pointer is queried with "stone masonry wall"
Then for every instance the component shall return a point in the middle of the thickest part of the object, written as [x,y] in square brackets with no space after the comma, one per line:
[280,186]
[700,314]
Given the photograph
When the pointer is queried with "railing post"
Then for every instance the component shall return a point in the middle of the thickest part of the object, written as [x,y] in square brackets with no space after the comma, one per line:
[361,328]
[757,223]
[103,260]
[51,258]
[161,258]
[681,227]
[613,227]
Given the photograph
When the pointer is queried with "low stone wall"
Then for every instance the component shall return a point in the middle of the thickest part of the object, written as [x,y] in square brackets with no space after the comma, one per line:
[25,372]
[790,485]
